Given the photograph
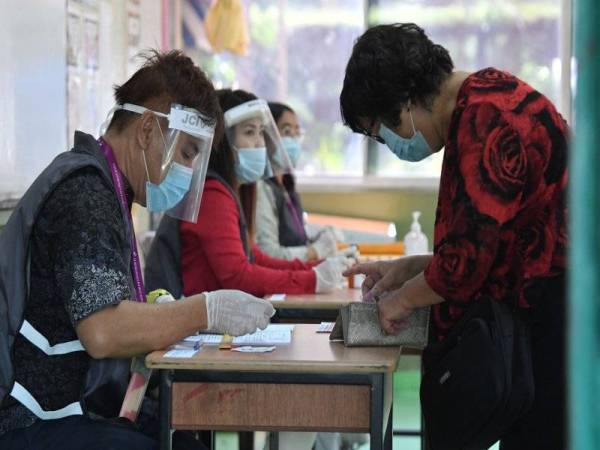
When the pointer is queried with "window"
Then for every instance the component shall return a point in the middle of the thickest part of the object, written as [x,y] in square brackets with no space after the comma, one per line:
[297,55]
[299,50]
[520,36]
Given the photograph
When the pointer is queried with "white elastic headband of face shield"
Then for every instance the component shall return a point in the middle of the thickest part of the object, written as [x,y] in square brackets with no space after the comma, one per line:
[245,111]
[187,120]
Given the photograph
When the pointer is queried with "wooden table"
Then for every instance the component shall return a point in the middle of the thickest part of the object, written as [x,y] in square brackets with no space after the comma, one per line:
[306,308]
[311,308]
[311,384]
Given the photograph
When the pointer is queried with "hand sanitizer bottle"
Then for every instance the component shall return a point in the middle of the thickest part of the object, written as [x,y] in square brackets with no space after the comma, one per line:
[415,241]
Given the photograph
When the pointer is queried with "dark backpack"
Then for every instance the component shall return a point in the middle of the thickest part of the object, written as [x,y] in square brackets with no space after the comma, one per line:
[479,380]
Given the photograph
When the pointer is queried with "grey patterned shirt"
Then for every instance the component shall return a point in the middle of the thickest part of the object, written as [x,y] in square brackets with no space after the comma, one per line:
[77,268]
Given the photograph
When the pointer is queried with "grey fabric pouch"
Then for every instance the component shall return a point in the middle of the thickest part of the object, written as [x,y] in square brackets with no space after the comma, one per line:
[358,325]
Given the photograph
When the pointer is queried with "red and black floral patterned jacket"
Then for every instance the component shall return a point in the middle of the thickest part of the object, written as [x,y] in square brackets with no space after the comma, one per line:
[501,214]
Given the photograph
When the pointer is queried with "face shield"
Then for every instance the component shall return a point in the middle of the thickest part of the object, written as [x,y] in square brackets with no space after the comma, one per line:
[252,133]
[187,143]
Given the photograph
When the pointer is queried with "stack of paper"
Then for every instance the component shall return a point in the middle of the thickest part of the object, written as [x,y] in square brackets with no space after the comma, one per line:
[274,334]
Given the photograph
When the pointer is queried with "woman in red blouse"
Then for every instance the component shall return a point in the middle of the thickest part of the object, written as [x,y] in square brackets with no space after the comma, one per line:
[500,227]
[218,252]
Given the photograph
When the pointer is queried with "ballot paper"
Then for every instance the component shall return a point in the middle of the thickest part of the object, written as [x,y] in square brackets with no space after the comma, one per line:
[274,334]
[208,339]
[325,327]
[251,349]
[264,337]
[180,353]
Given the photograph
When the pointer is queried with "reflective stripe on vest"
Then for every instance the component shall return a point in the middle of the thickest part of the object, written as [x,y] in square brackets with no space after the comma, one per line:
[38,339]
[23,396]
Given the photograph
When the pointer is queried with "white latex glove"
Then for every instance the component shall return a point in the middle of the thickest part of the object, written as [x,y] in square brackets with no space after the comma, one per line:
[236,313]
[325,245]
[329,275]
[337,233]
[351,252]
[344,262]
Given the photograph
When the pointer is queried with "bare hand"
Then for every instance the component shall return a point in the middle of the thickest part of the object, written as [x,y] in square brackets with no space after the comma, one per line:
[393,312]
[387,276]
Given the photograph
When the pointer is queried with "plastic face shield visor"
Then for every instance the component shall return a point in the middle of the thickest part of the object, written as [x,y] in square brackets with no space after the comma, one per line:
[188,142]
[251,124]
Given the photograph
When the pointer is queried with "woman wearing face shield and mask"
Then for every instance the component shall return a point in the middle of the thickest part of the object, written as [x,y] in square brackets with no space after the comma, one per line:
[219,251]
[280,228]
[500,236]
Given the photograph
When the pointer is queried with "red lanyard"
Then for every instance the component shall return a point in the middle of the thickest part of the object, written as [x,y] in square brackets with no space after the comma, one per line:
[136,270]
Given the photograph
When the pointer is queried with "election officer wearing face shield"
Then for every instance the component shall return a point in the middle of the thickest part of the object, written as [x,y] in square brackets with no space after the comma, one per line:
[280,228]
[72,291]
[252,133]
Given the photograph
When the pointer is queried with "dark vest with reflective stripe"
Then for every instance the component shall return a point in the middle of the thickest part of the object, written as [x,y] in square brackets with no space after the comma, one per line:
[14,262]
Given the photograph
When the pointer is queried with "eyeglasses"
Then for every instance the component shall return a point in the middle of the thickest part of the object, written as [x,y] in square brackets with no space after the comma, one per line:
[376,138]
[288,131]
[367,133]
[372,136]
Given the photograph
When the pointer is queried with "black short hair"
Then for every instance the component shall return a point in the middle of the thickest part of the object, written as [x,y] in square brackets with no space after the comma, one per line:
[277,110]
[391,65]
[166,78]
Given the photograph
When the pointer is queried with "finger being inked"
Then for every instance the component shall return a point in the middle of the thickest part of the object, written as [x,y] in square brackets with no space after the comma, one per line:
[400,324]
[371,297]
[368,297]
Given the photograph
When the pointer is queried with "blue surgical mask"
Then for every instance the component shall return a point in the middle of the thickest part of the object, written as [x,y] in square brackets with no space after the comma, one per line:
[292,145]
[251,164]
[170,191]
[413,149]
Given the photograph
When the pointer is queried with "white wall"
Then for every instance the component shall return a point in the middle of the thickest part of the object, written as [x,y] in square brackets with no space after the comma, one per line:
[32,90]
[117,61]
[34,94]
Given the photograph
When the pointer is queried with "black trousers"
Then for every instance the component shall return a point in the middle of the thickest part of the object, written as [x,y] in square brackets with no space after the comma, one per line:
[77,433]
[83,433]
[544,425]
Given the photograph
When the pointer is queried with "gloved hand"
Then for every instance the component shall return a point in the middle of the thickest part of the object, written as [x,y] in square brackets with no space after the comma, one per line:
[325,245]
[344,261]
[337,234]
[351,252]
[236,313]
[329,274]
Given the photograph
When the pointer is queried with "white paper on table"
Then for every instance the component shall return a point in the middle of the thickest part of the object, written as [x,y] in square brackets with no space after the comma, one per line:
[274,334]
[325,327]
[280,327]
[214,339]
[277,297]
[250,349]
[180,353]
[264,337]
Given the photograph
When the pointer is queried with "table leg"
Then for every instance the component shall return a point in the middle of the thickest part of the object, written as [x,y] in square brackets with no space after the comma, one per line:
[166,381]
[376,412]
[389,431]
[273,441]
[246,440]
